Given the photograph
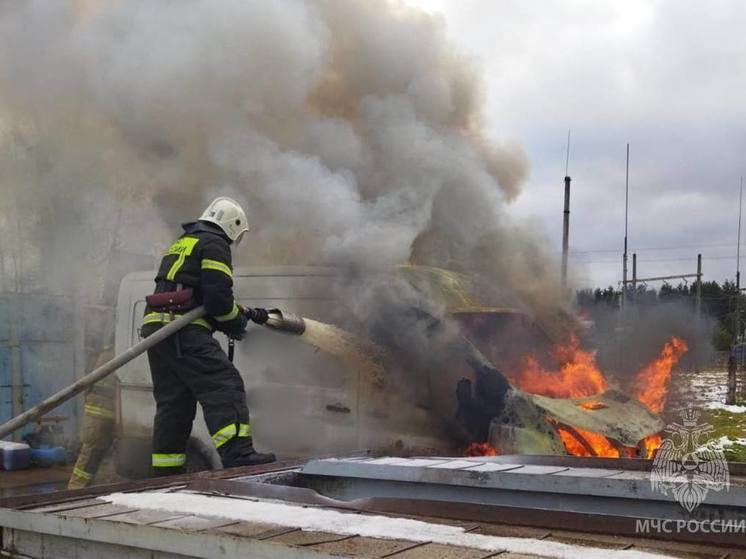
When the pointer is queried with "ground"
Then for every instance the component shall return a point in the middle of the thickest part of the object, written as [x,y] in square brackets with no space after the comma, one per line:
[705,391]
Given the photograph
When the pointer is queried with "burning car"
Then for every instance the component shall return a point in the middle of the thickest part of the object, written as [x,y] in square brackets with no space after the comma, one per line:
[482,383]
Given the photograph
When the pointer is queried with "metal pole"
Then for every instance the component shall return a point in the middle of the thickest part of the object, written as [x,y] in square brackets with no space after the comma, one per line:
[737,335]
[626,219]
[698,306]
[634,275]
[16,373]
[732,371]
[97,374]
[565,233]
[698,300]
[566,218]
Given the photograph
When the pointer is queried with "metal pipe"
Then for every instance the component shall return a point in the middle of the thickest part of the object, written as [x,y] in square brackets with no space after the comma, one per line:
[731,395]
[698,305]
[286,322]
[698,300]
[100,372]
[565,233]
[16,374]
[626,219]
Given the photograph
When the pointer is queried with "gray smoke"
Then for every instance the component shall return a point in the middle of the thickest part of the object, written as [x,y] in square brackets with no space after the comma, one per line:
[352,130]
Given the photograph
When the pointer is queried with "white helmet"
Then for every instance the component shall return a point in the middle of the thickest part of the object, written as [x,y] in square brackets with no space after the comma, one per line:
[227,214]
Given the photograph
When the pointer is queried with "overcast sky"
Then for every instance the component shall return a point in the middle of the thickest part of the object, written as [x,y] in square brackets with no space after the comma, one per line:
[669,77]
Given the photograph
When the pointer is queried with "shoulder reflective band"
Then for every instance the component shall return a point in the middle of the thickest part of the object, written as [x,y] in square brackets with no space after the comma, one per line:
[225,434]
[98,411]
[208,264]
[181,248]
[168,460]
[244,430]
[228,316]
[159,317]
[82,474]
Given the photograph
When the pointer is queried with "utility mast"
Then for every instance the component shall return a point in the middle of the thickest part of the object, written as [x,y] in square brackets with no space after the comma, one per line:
[626,216]
[566,219]
[733,361]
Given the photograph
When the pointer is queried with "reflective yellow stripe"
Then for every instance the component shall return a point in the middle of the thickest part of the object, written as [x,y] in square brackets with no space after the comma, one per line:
[223,435]
[244,430]
[208,264]
[182,247]
[82,474]
[168,460]
[229,316]
[98,411]
[159,317]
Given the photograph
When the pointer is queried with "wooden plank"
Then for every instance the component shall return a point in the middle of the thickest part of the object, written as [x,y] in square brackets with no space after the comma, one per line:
[143,517]
[194,523]
[96,511]
[28,502]
[510,531]
[69,505]
[440,551]
[253,530]
[362,546]
[307,537]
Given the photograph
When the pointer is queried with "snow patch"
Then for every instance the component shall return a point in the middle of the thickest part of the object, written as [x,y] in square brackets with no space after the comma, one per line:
[313,518]
[726,441]
[725,407]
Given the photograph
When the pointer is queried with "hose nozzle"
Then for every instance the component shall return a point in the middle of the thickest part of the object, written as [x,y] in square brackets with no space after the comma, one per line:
[285,322]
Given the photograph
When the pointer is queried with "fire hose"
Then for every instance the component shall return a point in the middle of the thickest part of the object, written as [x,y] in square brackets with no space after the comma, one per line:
[277,321]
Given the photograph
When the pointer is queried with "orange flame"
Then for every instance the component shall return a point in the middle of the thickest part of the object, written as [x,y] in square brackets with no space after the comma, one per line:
[652,443]
[651,383]
[592,406]
[585,443]
[480,449]
[577,374]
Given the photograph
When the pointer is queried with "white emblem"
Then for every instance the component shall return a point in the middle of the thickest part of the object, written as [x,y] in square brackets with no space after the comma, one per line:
[687,467]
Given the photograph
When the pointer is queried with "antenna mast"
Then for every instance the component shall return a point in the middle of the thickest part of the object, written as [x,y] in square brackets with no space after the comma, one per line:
[626,219]
[566,218]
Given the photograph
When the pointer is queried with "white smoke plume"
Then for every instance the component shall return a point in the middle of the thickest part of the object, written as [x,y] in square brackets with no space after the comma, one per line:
[351,130]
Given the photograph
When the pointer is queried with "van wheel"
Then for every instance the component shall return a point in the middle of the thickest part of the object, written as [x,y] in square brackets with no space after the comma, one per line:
[201,458]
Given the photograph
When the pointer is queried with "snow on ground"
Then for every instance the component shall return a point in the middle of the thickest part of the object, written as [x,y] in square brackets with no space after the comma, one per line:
[705,387]
[724,441]
[725,407]
[373,526]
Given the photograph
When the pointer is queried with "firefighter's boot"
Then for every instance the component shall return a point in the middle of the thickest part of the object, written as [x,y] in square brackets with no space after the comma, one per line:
[240,452]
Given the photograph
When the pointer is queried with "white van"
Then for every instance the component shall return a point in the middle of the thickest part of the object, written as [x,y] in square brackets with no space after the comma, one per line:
[302,401]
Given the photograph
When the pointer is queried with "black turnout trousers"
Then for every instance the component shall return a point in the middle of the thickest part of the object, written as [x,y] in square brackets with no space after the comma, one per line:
[197,371]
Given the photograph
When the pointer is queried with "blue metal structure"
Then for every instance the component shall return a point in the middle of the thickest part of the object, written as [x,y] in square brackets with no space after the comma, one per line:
[37,353]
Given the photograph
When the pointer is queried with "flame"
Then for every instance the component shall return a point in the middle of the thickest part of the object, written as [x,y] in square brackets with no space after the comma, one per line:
[592,405]
[651,383]
[579,443]
[577,373]
[480,449]
[652,443]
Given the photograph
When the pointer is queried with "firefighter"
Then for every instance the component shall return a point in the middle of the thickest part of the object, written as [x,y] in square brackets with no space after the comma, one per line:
[190,366]
[97,431]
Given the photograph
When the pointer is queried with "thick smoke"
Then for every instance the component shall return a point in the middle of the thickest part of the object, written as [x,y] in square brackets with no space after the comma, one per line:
[350,129]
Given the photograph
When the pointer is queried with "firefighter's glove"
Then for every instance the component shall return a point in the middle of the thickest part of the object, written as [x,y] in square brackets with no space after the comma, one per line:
[260,316]
[237,329]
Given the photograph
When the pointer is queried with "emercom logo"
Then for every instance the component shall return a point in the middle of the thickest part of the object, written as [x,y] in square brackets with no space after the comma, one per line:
[685,466]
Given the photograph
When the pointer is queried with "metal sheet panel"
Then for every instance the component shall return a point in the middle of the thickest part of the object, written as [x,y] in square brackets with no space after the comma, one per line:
[44,318]
[4,320]
[6,394]
[47,368]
